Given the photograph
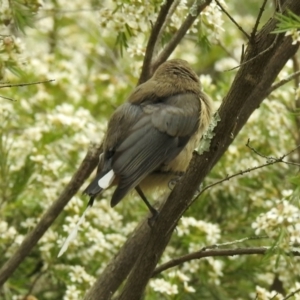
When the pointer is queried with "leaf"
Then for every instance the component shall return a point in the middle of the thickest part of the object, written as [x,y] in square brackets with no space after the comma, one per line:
[22,177]
[15,69]
[287,22]
[23,16]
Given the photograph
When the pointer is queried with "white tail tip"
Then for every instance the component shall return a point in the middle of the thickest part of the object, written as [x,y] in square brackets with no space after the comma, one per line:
[107,180]
[72,234]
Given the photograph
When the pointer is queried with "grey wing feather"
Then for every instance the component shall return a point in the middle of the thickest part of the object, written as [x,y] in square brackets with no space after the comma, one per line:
[156,138]
[178,115]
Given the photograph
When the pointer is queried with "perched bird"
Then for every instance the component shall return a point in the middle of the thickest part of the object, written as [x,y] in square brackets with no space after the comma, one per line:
[150,138]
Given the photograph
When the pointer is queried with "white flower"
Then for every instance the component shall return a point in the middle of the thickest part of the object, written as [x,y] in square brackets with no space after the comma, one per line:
[225,64]
[72,293]
[263,294]
[29,223]
[294,33]
[3,226]
[77,274]
[182,277]
[188,288]
[282,214]
[163,286]
[212,231]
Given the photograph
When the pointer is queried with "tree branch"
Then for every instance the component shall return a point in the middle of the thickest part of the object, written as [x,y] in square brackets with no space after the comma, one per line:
[255,57]
[195,10]
[248,90]
[167,20]
[213,253]
[259,73]
[145,74]
[282,82]
[253,33]
[291,294]
[5,85]
[86,168]
[270,161]
[261,90]
[7,98]
[233,20]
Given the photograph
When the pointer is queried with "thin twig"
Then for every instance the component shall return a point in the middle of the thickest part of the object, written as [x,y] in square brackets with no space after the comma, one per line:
[213,253]
[228,52]
[7,98]
[256,56]
[232,20]
[5,85]
[195,10]
[268,158]
[253,33]
[228,177]
[168,18]
[284,81]
[292,163]
[270,161]
[250,238]
[293,150]
[291,294]
[83,172]
[279,6]
[145,74]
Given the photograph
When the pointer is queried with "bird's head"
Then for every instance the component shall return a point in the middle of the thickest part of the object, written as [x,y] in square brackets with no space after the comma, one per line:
[176,69]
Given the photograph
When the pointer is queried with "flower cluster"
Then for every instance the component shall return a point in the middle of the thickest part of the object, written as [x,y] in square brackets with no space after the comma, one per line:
[46,132]
[295,35]
[211,231]
[282,215]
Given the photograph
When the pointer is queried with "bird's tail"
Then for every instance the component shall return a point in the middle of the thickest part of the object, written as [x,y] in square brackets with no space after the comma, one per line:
[100,183]
[72,234]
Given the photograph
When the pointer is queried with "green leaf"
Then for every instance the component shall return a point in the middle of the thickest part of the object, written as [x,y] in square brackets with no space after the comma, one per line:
[23,16]
[287,22]
[22,177]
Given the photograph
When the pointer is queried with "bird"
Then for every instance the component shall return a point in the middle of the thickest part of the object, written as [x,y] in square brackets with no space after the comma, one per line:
[150,138]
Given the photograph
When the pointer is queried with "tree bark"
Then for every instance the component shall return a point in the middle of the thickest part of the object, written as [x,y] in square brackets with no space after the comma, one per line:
[264,58]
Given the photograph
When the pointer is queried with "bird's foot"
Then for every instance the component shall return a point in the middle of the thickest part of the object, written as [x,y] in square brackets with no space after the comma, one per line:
[153,219]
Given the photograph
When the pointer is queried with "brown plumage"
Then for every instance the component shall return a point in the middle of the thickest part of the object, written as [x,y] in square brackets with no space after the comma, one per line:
[151,137]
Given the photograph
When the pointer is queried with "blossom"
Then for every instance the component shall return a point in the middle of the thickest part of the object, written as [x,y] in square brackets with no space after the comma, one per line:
[295,35]
[264,294]
[72,293]
[164,287]
[212,231]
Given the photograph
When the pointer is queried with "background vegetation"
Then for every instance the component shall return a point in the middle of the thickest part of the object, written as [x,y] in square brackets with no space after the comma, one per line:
[93,51]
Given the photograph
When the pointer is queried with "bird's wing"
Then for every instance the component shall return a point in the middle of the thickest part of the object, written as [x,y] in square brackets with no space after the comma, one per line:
[158,136]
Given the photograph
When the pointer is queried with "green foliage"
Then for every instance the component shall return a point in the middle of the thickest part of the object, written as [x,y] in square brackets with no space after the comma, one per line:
[22,14]
[45,134]
[287,22]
